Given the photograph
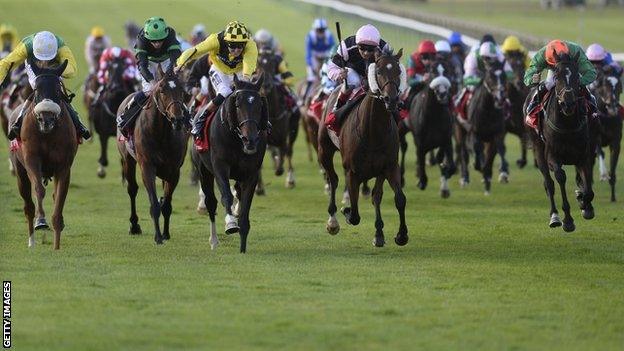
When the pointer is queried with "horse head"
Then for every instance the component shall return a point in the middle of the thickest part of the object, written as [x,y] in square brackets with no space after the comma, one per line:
[168,97]
[440,83]
[387,78]
[516,60]
[48,96]
[245,113]
[608,92]
[115,73]
[495,81]
[567,82]
[267,65]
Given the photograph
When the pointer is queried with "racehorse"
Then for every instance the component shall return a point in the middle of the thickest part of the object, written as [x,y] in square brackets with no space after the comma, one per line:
[485,125]
[102,113]
[48,147]
[517,92]
[281,139]
[369,146]
[12,97]
[159,148]
[431,123]
[567,140]
[608,90]
[237,146]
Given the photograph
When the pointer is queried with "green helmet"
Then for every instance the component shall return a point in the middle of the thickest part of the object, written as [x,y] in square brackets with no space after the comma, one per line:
[155,29]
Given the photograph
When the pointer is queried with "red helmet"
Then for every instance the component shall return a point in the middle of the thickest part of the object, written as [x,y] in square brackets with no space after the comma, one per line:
[426,47]
[554,49]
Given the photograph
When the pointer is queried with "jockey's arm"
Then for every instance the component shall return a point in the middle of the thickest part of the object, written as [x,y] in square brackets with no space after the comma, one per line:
[471,70]
[199,69]
[285,74]
[143,65]
[64,53]
[210,44]
[250,59]
[537,65]
[16,57]
[308,50]
[586,69]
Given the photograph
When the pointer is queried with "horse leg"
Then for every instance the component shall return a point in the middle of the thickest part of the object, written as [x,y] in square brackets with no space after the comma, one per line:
[25,190]
[394,179]
[165,203]
[403,144]
[326,158]
[379,224]
[132,187]
[366,190]
[587,194]
[420,167]
[549,184]
[503,176]
[522,161]
[103,161]
[560,176]
[462,156]
[487,163]
[61,182]
[260,186]
[222,176]
[290,176]
[40,191]
[246,195]
[281,155]
[613,160]
[351,212]
[149,180]
[447,169]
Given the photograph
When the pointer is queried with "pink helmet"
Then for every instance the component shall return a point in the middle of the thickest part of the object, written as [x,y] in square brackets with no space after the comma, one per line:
[595,52]
[368,35]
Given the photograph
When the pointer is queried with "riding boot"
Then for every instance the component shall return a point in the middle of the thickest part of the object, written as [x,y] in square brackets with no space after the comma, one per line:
[200,119]
[16,127]
[84,131]
[342,99]
[124,121]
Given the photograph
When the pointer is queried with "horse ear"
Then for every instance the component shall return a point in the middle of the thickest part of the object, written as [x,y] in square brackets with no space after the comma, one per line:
[399,54]
[259,81]
[236,81]
[60,69]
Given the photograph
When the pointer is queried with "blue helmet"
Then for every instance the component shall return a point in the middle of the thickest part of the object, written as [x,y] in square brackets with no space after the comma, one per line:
[319,23]
[455,39]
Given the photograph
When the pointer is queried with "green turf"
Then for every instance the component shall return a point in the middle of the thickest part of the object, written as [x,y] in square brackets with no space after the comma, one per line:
[480,273]
[585,26]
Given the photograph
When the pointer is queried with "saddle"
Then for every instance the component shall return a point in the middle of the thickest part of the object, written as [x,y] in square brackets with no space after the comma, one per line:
[316,107]
[202,144]
[335,120]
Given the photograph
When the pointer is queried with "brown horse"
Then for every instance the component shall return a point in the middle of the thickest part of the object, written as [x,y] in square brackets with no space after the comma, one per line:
[608,90]
[369,145]
[49,145]
[12,97]
[160,146]
[102,113]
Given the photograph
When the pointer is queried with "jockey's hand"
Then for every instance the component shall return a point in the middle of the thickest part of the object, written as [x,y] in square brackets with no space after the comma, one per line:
[536,79]
[343,74]
[177,69]
[426,77]
[246,78]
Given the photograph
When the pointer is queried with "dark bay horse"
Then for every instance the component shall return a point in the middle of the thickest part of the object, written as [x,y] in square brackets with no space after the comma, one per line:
[12,97]
[369,146]
[486,124]
[160,146]
[608,90]
[431,123]
[283,132]
[517,92]
[49,145]
[103,113]
[567,140]
[237,146]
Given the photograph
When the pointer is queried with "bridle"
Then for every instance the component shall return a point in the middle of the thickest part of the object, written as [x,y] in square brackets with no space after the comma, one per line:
[237,129]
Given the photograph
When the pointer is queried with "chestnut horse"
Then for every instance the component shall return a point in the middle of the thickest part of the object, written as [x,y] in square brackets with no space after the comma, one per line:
[160,146]
[49,145]
[369,145]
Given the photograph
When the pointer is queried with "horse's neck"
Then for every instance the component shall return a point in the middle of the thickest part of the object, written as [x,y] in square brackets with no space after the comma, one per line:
[373,118]
[157,124]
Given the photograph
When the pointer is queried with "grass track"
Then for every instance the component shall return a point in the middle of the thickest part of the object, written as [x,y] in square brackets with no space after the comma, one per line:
[479,272]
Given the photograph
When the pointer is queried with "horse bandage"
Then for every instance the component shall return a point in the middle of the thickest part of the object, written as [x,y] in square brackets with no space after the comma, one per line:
[47,105]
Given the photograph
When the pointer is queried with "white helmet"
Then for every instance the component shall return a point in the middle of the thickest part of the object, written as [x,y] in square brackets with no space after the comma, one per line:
[263,36]
[45,46]
[319,23]
[198,29]
[488,49]
[442,46]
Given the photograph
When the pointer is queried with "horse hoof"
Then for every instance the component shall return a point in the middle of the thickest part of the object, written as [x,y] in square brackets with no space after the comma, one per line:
[463,182]
[279,172]
[422,185]
[445,193]
[555,221]
[379,242]
[101,173]
[521,163]
[401,240]
[135,229]
[290,185]
[231,224]
[260,192]
[569,227]
[166,236]
[158,241]
[366,192]
[213,245]
[604,177]
[487,193]
[588,213]
[202,210]
[503,178]
[333,229]
[41,224]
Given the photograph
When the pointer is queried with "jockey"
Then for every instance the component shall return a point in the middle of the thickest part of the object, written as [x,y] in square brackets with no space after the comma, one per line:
[546,58]
[8,39]
[95,44]
[602,60]
[156,45]
[45,50]
[130,70]
[198,34]
[350,63]
[264,39]
[418,63]
[443,50]
[512,46]
[132,33]
[318,45]
[231,52]
[458,48]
